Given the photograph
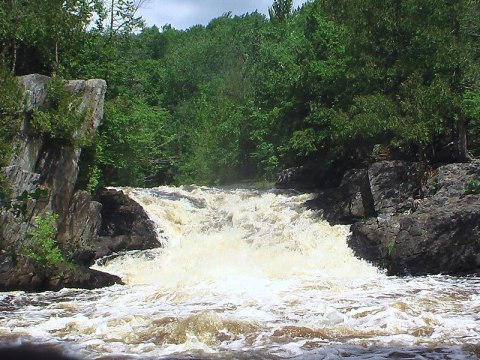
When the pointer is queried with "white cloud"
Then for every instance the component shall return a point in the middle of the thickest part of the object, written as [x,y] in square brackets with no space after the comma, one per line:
[182,14]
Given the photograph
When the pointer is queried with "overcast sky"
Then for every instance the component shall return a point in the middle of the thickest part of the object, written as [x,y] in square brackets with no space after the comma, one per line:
[182,14]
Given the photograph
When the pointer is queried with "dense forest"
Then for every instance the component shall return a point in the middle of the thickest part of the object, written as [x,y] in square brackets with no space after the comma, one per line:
[246,96]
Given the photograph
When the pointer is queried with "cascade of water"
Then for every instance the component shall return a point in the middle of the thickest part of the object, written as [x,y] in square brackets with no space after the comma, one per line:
[224,236]
[244,274]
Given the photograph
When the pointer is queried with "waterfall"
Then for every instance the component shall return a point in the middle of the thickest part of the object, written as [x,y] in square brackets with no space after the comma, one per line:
[228,236]
[248,274]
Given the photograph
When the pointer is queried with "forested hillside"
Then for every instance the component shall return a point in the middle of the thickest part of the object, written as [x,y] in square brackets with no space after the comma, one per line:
[246,96]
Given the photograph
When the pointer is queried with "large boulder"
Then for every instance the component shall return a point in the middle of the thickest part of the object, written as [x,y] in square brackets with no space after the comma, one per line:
[315,175]
[25,274]
[385,187]
[408,218]
[395,184]
[350,201]
[78,233]
[125,224]
[441,234]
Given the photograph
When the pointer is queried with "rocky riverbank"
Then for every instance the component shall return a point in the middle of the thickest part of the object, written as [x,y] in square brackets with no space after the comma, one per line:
[409,218]
[87,228]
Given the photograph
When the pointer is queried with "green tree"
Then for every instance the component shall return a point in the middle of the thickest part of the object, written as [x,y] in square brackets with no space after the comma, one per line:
[403,51]
[122,16]
[280,10]
[43,247]
[135,143]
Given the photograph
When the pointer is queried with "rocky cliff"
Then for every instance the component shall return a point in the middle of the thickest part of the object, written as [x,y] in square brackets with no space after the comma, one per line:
[38,163]
[409,218]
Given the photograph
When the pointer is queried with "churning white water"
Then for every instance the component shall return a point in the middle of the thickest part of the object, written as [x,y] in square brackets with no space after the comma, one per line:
[249,274]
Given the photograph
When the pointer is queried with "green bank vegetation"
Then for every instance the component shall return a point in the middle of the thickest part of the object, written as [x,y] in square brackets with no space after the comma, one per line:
[246,96]
[43,247]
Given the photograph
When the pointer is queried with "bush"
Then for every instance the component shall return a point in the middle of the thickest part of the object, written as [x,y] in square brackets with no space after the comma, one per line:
[471,186]
[61,118]
[43,247]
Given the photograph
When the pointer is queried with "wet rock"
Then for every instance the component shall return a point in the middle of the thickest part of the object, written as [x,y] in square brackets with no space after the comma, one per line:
[311,176]
[395,184]
[408,218]
[80,277]
[350,201]
[385,187]
[37,163]
[27,275]
[78,232]
[31,352]
[125,224]
[442,235]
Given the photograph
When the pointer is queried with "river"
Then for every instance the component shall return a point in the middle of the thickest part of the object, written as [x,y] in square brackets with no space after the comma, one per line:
[248,274]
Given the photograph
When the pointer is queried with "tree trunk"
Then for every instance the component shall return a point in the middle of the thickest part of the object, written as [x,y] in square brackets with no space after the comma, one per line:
[111,19]
[461,141]
[56,62]
[14,57]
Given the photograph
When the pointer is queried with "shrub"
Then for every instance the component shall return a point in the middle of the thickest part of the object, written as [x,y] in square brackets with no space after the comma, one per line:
[61,117]
[471,186]
[43,247]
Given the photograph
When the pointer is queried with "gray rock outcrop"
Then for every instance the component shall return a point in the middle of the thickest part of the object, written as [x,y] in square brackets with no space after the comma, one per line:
[310,176]
[37,163]
[414,220]
[350,201]
[395,185]
[125,225]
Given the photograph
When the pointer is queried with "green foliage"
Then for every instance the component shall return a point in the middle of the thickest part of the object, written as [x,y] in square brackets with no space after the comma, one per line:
[215,140]
[264,184]
[93,179]
[122,17]
[390,248]
[43,247]
[90,174]
[44,36]
[244,96]
[18,206]
[472,186]
[135,143]
[10,105]
[471,106]
[280,10]
[61,117]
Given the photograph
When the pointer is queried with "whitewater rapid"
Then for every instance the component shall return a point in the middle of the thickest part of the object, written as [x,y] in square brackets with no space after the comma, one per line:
[244,273]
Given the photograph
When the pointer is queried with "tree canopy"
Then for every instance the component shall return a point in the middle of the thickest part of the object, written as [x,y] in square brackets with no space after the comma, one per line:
[246,96]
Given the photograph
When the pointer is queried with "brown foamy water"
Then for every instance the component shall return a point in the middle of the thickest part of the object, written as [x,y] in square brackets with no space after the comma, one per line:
[249,274]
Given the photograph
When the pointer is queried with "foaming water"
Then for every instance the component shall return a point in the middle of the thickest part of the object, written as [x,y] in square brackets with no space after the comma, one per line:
[249,274]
